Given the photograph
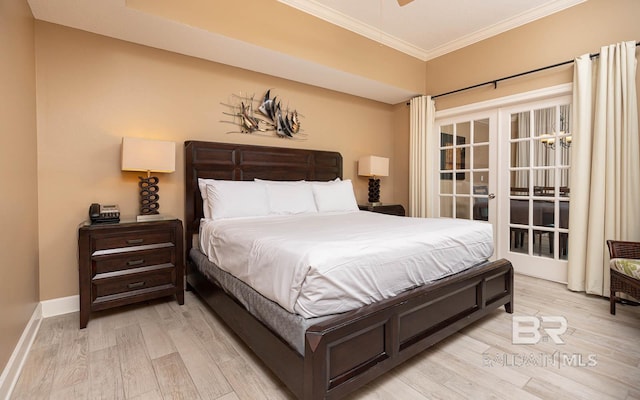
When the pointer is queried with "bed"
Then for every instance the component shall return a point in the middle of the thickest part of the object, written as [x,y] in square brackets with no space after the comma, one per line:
[342,352]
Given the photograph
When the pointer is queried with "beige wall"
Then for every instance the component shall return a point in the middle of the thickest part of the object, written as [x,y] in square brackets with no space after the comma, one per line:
[93,90]
[276,26]
[18,202]
[560,37]
[399,164]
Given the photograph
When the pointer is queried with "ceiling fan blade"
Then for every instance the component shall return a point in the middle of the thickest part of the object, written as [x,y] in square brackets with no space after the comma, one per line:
[404,2]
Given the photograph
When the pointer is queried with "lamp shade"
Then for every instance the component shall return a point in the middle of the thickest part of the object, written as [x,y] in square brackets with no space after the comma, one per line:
[373,166]
[148,155]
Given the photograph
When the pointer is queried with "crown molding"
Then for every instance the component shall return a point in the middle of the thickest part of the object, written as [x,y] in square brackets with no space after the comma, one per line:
[506,25]
[334,17]
[330,15]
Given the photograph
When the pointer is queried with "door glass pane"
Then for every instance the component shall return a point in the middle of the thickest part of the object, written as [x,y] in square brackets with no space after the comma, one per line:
[520,125]
[564,214]
[543,213]
[462,207]
[545,122]
[520,154]
[481,131]
[446,157]
[446,207]
[543,243]
[565,152]
[544,178]
[519,183]
[565,119]
[563,241]
[447,129]
[481,156]
[481,209]
[480,180]
[565,135]
[481,197]
[519,212]
[519,240]
[446,186]
[565,188]
[463,187]
[544,152]
[463,130]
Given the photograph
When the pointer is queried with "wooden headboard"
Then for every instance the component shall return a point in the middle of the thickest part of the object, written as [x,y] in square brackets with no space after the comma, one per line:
[238,162]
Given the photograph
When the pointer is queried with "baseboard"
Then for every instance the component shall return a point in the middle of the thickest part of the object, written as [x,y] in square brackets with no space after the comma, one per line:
[44,309]
[12,370]
[59,306]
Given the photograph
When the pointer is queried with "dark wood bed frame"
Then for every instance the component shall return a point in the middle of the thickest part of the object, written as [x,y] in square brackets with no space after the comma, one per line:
[346,352]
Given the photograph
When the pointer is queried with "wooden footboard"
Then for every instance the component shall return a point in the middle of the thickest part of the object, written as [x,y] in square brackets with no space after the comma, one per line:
[346,352]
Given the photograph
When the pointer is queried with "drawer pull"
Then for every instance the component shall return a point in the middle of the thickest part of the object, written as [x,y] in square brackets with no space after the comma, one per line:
[135,285]
[132,263]
[135,241]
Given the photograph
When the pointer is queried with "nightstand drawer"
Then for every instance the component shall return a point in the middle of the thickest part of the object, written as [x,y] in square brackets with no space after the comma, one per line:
[132,259]
[138,279]
[130,239]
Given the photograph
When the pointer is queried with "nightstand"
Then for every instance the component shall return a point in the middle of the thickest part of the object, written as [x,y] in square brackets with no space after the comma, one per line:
[392,209]
[129,262]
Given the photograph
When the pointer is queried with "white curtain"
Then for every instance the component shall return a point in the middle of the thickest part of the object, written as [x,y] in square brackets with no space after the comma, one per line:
[605,165]
[423,151]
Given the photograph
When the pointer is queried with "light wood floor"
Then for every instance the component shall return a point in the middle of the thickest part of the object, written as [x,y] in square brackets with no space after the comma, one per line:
[161,350]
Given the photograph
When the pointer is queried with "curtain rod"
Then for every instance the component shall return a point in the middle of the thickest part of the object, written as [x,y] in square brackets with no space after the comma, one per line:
[495,81]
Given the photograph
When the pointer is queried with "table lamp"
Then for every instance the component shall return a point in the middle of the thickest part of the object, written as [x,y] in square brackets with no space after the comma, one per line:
[150,156]
[373,166]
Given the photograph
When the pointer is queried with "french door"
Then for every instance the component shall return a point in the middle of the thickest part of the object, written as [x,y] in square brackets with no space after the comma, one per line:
[467,169]
[534,222]
[509,166]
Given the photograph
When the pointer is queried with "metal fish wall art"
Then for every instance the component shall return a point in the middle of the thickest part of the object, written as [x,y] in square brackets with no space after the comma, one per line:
[264,116]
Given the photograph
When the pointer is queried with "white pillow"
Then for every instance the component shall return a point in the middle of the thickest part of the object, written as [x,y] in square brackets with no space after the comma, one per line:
[334,196]
[326,182]
[290,197]
[232,199]
[202,184]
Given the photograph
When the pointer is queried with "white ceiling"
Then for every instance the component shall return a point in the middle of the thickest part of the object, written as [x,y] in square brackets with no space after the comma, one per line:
[424,29]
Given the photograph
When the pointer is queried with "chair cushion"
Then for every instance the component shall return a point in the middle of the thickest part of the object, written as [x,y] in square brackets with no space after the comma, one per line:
[627,266]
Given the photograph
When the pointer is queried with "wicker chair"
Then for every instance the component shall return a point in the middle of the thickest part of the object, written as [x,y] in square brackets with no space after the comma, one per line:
[622,282]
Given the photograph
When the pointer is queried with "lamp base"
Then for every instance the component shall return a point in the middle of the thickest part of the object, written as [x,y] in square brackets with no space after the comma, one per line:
[374,190]
[149,195]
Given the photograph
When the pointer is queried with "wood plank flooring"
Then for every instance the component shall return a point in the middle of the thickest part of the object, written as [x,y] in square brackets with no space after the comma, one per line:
[160,350]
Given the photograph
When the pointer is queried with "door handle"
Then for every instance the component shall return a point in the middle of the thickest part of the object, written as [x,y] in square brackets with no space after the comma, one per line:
[492,195]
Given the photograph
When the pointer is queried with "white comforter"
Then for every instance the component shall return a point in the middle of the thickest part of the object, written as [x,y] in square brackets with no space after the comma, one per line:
[320,264]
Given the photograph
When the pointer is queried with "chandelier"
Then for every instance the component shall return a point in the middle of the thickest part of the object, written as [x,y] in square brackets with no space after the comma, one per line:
[549,140]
